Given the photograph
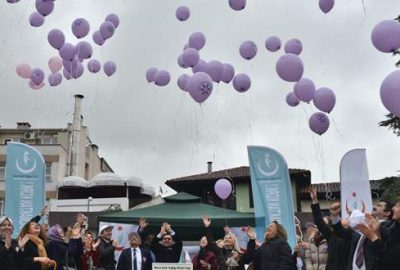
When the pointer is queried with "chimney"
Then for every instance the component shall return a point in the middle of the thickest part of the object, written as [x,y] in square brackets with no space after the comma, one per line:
[76,134]
[23,125]
[209,166]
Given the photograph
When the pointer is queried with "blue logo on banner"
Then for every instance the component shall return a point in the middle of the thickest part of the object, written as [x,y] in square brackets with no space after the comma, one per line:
[25,193]
[272,192]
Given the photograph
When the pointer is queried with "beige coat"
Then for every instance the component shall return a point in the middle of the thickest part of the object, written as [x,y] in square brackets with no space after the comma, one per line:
[316,257]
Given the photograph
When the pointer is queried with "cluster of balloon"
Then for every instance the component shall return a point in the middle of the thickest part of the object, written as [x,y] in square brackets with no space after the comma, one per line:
[386,38]
[43,9]
[290,68]
[223,188]
[71,57]
[326,5]
[200,83]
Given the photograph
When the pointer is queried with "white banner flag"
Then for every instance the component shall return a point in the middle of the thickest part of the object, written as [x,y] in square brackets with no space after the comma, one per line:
[355,190]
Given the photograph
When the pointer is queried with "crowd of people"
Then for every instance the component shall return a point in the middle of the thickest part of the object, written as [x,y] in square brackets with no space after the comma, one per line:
[365,241]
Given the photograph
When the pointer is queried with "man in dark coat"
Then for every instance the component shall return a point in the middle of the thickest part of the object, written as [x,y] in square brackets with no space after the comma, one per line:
[135,257]
[338,248]
[361,256]
[106,248]
[387,250]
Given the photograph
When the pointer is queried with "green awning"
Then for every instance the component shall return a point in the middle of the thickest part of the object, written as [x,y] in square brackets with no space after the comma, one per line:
[183,211]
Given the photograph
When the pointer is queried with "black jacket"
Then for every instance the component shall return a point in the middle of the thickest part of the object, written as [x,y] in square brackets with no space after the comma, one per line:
[26,257]
[388,251]
[167,254]
[338,248]
[272,255]
[8,257]
[106,254]
[57,250]
[125,259]
[371,261]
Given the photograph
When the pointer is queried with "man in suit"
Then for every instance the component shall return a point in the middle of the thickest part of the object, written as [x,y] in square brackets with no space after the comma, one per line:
[135,257]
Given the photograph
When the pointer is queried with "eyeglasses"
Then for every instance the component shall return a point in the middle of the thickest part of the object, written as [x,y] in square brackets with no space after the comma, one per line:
[167,238]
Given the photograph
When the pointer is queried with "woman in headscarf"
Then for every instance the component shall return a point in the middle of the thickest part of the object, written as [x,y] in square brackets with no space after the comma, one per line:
[274,253]
[206,259]
[32,251]
[8,246]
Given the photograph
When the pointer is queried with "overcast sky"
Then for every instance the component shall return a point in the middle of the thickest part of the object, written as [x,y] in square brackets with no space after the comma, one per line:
[159,133]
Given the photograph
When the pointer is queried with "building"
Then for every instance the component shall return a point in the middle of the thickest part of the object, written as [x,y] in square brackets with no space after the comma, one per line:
[76,175]
[202,185]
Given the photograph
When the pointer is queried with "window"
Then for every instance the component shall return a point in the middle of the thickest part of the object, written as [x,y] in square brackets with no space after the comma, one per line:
[2,171]
[6,140]
[2,207]
[48,172]
[52,139]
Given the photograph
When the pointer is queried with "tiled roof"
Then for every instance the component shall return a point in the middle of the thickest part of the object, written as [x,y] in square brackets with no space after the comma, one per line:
[238,172]
[335,187]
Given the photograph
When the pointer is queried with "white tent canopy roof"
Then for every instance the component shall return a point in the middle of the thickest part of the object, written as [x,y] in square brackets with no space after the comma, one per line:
[148,190]
[134,181]
[73,181]
[112,179]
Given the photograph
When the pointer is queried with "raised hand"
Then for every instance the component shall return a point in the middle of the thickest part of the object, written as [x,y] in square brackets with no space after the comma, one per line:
[227,229]
[44,211]
[143,223]
[335,209]
[250,233]
[95,245]
[115,243]
[22,241]
[313,194]
[206,221]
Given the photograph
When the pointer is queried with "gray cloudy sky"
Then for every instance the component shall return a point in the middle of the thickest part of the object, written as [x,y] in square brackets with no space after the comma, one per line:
[158,133]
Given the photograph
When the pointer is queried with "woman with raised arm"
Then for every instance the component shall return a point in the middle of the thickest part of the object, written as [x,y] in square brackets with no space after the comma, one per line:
[274,253]
[206,258]
[228,252]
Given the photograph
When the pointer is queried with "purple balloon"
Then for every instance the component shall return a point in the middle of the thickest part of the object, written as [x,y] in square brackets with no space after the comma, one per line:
[326,5]
[109,68]
[319,123]
[35,86]
[273,44]
[200,66]
[215,69]
[304,89]
[97,38]
[44,7]
[223,189]
[55,79]
[290,67]
[80,27]
[293,46]
[182,81]
[150,74]
[56,38]
[228,73]
[386,36]
[390,92]
[36,19]
[182,13]
[37,76]
[200,86]
[77,70]
[84,50]
[292,100]
[67,74]
[162,78]
[180,61]
[113,18]
[248,50]
[237,4]
[93,66]
[107,29]
[324,99]
[67,52]
[241,82]
[69,65]
[197,40]
[190,57]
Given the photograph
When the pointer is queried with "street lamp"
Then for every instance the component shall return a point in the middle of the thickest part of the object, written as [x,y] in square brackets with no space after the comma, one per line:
[88,203]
